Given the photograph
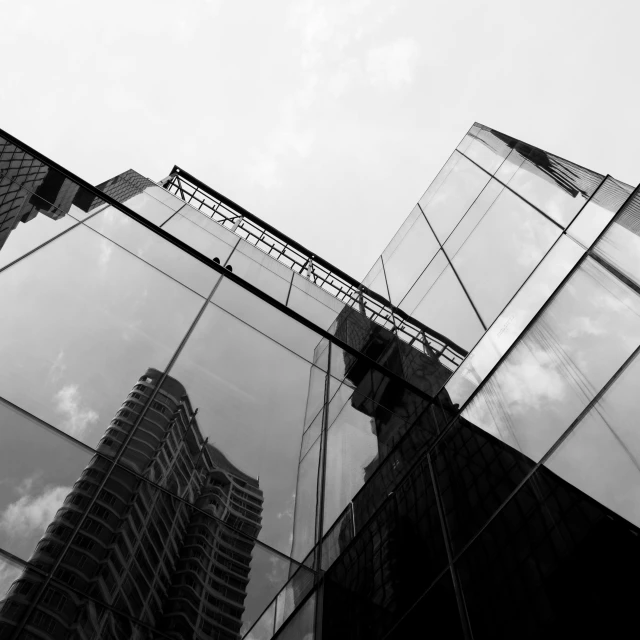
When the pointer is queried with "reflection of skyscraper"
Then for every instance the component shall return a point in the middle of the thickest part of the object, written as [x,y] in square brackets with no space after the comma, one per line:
[141,550]
[412,501]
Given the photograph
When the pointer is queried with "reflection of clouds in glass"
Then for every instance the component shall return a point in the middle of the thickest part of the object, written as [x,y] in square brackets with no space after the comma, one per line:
[32,512]
[76,417]
[8,573]
[106,251]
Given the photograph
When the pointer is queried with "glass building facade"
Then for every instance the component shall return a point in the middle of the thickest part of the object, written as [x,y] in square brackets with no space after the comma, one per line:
[208,431]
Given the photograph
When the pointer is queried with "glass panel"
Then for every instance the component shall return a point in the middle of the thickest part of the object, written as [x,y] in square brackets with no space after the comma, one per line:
[165,197]
[251,396]
[375,280]
[393,558]
[260,270]
[267,320]
[63,612]
[39,468]
[460,182]
[475,473]
[301,626]
[440,606]
[352,447]
[292,594]
[557,187]
[313,303]
[155,250]
[502,251]
[159,559]
[508,168]
[519,312]
[576,345]
[487,150]
[304,531]
[311,434]
[409,259]
[473,217]
[315,397]
[424,283]
[620,245]
[551,563]
[150,208]
[601,456]
[210,245]
[595,215]
[95,319]
[446,309]
[337,539]
[213,227]
[263,628]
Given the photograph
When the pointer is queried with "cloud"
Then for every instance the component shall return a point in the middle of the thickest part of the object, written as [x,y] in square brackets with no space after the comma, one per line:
[32,513]
[58,367]
[76,417]
[106,251]
[393,65]
[8,573]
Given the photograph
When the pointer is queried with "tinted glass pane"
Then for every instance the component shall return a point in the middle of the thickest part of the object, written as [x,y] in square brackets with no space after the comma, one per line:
[602,454]
[150,208]
[551,565]
[313,303]
[487,150]
[96,318]
[409,259]
[305,504]
[352,446]
[558,187]
[576,345]
[375,280]
[460,182]
[515,317]
[446,309]
[38,470]
[165,197]
[260,270]
[595,215]
[207,241]
[424,283]
[251,395]
[475,473]
[473,217]
[153,249]
[502,251]
[267,320]
[620,244]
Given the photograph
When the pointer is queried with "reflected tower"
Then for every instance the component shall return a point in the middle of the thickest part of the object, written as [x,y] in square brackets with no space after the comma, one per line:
[169,562]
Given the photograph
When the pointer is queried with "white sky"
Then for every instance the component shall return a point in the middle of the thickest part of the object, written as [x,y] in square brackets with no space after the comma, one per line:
[327,119]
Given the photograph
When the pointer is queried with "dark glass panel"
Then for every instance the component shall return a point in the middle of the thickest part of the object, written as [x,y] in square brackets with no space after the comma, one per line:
[551,564]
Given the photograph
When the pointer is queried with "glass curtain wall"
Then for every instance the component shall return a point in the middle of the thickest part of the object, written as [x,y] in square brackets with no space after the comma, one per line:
[197,439]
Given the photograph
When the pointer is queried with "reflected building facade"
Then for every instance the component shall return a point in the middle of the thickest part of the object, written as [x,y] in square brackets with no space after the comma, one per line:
[468,462]
[162,561]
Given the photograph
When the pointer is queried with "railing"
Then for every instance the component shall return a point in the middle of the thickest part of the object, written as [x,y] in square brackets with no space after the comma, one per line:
[305,263]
